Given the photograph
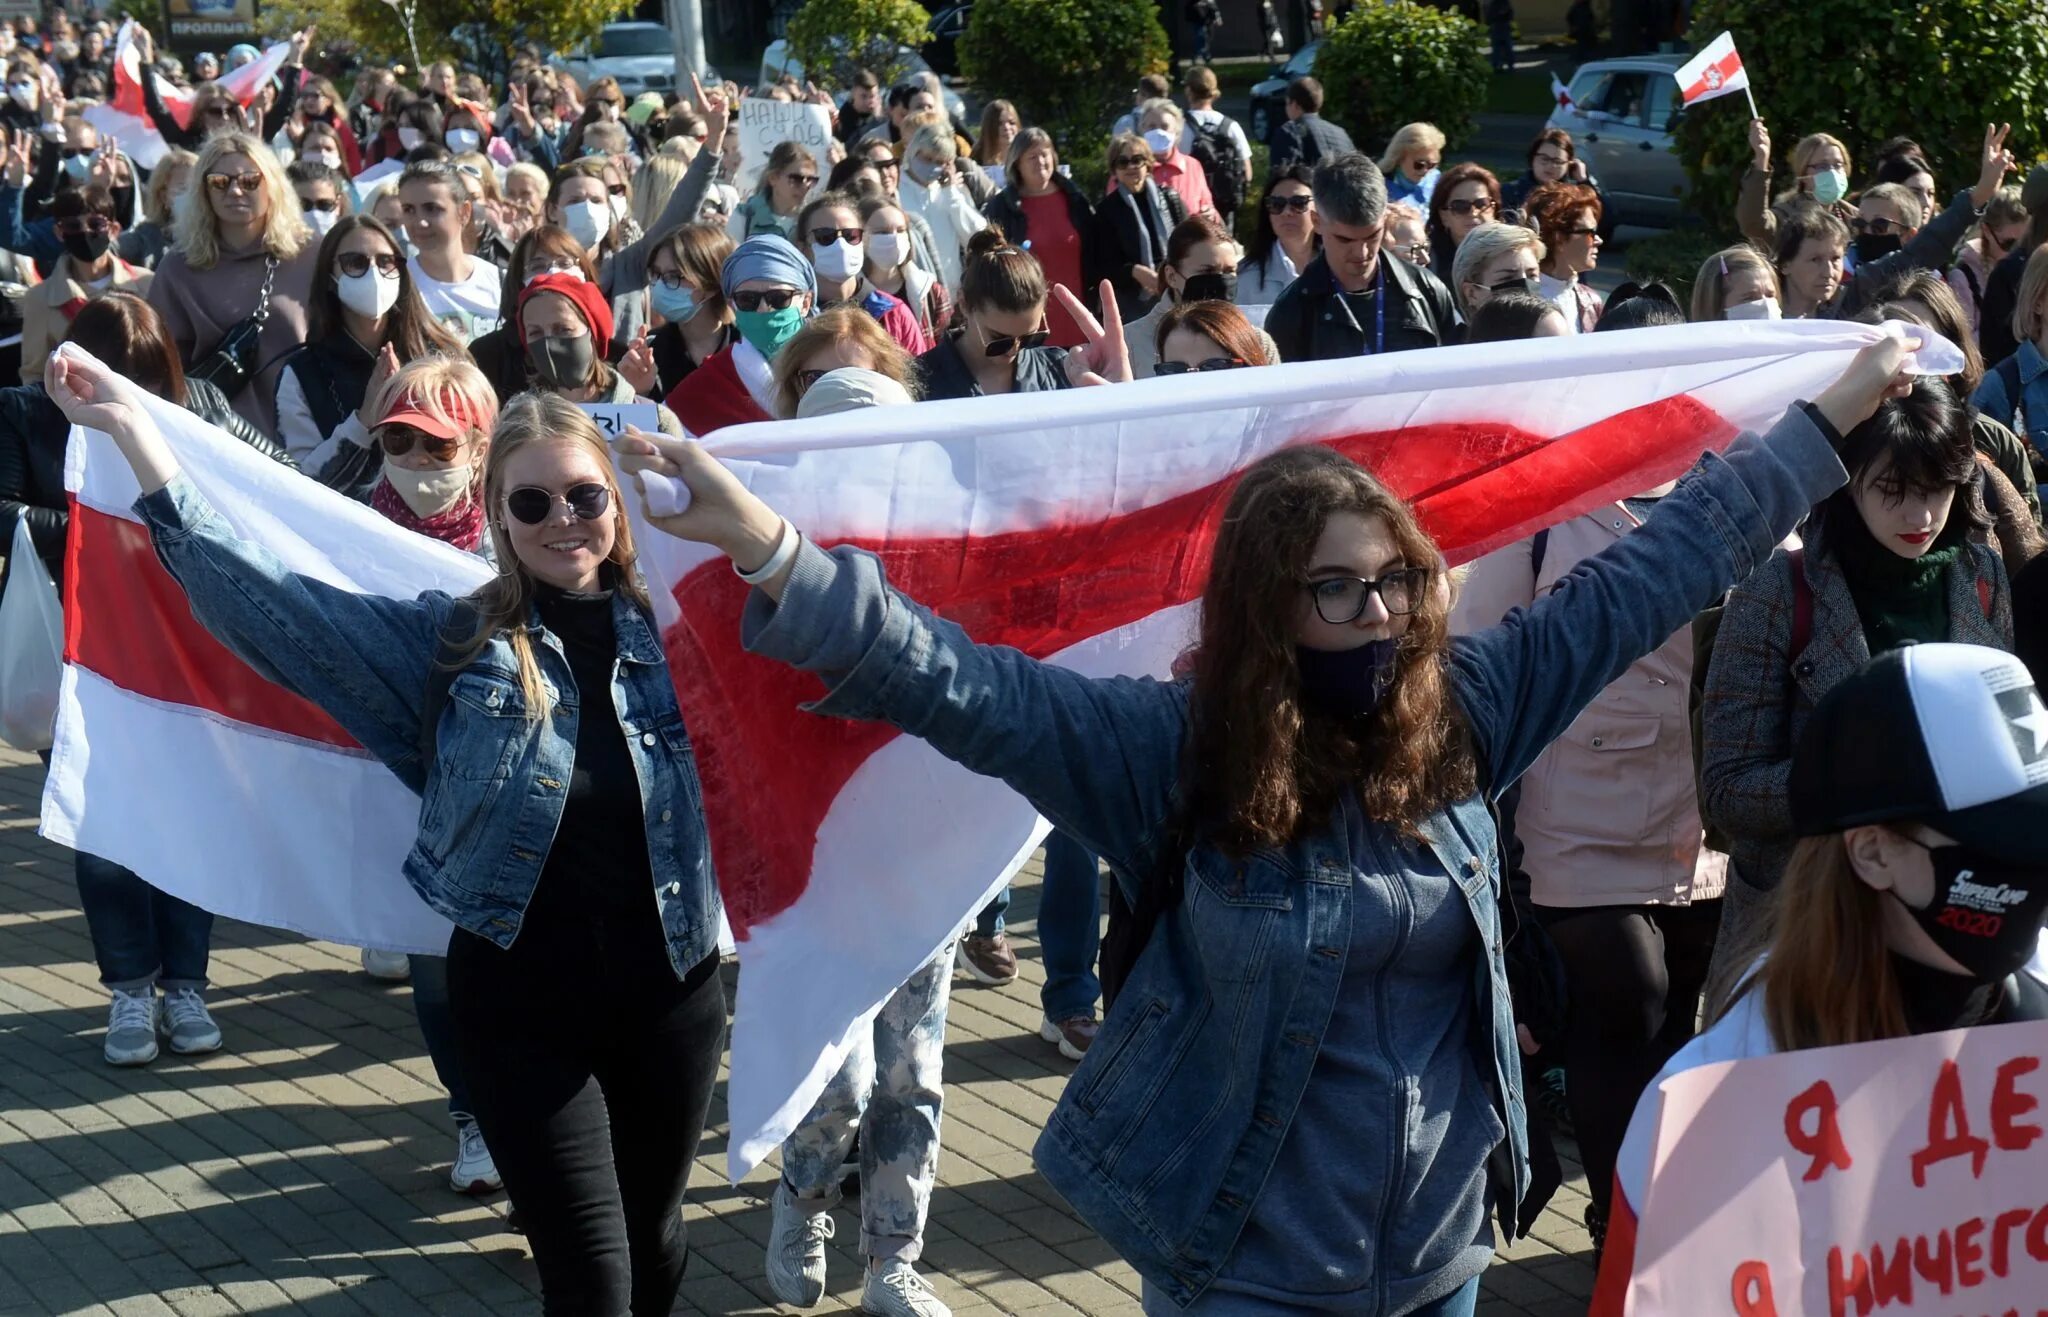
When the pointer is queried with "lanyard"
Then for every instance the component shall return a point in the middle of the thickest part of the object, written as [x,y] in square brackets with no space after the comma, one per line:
[1379,297]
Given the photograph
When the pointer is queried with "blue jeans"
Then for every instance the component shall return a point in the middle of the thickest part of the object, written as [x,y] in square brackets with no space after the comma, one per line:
[141,936]
[437,1027]
[1069,927]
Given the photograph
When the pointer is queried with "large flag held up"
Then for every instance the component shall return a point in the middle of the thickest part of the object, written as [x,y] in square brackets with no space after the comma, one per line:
[1074,525]
[124,116]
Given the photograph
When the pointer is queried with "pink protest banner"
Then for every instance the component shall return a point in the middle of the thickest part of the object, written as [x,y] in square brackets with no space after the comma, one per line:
[1906,1177]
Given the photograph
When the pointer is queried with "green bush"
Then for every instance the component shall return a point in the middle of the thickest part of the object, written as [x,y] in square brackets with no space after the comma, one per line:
[833,39]
[1673,258]
[1067,65]
[1934,70]
[1391,64]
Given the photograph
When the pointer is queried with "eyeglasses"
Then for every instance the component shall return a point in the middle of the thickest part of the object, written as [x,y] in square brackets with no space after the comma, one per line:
[83,224]
[1341,600]
[1880,227]
[218,111]
[826,237]
[327,205]
[1551,158]
[776,298]
[618,190]
[1513,284]
[1424,165]
[532,504]
[1133,162]
[1581,232]
[1415,253]
[1461,207]
[397,440]
[1213,363]
[670,279]
[1004,344]
[251,182]
[886,163]
[357,264]
[1298,203]
[805,181]
[806,378]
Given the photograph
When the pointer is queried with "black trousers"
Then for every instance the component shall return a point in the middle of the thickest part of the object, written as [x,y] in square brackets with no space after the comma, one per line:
[590,1068]
[1635,974]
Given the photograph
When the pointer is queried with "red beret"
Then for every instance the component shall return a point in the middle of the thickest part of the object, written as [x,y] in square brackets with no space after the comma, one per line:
[587,297]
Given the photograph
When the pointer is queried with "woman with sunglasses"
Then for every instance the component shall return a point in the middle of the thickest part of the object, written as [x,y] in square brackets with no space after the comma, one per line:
[1208,335]
[364,318]
[772,290]
[1998,232]
[1137,216]
[1413,163]
[1466,196]
[566,326]
[314,106]
[1201,266]
[683,291]
[1495,258]
[1567,217]
[1285,239]
[786,181]
[1000,346]
[837,244]
[1041,210]
[243,257]
[583,971]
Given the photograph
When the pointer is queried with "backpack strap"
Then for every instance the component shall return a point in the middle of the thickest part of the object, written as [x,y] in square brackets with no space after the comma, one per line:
[1802,604]
[455,635]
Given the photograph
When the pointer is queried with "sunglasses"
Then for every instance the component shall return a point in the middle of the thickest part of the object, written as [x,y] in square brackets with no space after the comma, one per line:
[1003,345]
[1133,162]
[1298,204]
[356,264]
[83,224]
[219,112]
[1580,232]
[398,439]
[825,237]
[327,205]
[618,189]
[1213,363]
[532,504]
[1462,207]
[806,378]
[777,298]
[1880,227]
[251,182]
[805,181]
[1424,166]
[887,163]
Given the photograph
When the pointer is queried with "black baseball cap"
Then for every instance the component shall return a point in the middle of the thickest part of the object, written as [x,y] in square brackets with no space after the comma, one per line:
[1951,736]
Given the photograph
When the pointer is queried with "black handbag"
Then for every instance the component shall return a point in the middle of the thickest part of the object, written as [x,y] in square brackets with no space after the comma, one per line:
[233,361]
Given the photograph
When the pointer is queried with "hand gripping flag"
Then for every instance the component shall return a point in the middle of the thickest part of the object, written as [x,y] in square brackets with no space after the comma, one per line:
[126,118]
[1073,525]
[1715,71]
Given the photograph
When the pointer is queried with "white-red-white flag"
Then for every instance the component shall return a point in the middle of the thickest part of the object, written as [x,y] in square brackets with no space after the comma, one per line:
[1715,71]
[1073,525]
[1559,92]
[124,115]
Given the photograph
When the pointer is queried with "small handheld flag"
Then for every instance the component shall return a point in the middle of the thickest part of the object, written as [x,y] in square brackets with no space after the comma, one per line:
[1715,71]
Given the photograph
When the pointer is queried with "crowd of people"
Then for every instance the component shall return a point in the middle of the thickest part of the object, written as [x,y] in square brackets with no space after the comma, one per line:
[414,295]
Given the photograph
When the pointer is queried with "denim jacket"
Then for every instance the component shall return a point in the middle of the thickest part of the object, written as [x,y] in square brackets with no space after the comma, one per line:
[1168,1129]
[492,798]
[2030,409]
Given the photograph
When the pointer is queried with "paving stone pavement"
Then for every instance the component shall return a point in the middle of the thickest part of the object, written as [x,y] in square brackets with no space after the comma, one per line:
[303,1168]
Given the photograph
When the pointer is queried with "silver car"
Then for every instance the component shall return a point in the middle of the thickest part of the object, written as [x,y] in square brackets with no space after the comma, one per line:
[642,56]
[1621,116]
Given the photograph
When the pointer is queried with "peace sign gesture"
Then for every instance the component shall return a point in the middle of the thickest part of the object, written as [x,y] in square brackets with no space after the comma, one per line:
[637,366]
[1107,358]
[717,114]
[1997,163]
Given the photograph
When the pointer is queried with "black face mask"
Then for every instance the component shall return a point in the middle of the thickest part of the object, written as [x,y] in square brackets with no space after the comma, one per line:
[1216,286]
[88,247]
[124,202]
[563,363]
[1347,683]
[1876,246]
[1986,913]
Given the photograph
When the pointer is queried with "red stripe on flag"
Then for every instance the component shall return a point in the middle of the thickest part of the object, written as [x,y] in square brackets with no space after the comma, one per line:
[127,620]
[1726,67]
[771,772]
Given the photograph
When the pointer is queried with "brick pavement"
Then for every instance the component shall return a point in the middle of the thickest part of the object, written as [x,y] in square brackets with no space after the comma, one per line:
[302,1168]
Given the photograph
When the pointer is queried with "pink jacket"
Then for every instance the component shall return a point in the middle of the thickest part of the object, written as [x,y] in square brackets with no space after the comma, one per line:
[1610,813]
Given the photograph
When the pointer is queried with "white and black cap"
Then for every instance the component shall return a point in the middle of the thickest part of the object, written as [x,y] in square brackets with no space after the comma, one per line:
[1952,736]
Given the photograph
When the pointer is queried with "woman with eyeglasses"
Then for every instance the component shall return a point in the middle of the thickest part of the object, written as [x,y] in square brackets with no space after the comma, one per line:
[1207,336]
[892,266]
[1496,258]
[235,287]
[1552,158]
[837,243]
[1820,175]
[772,290]
[1040,209]
[1137,218]
[1285,239]
[364,319]
[1466,196]
[1567,216]
[789,177]
[2000,230]
[1201,266]
[838,338]
[683,291]
[1413,163]
[500,354]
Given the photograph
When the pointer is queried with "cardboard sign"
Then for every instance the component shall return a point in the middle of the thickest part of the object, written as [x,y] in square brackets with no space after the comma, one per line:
[1905,1178]
[614,417]
[766,124]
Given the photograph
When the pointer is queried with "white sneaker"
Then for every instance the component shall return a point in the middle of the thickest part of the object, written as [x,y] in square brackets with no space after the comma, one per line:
[185,1019]
[386,966]
[894,1289]
[475,1172]
[131,1027]
[796,1250]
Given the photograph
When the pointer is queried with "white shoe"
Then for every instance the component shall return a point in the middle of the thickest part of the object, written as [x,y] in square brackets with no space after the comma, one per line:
[131,1027]
[796,1250]
[894,1289]
[186,1021]
[475,1172]
[386,966]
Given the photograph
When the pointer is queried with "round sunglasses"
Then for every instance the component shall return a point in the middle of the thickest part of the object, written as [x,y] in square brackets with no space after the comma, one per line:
[531,504]
[1213,363]
[357,264]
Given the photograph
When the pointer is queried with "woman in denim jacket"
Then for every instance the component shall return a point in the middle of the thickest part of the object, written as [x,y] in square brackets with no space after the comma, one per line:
[561,821]
[1307,1095]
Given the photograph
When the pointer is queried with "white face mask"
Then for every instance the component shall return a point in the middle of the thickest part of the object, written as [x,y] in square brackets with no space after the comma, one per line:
[1763,308]
[889,250]
[332,159]
[367,294]
[24,94]
[320,221]
[429,492]
[837,259]
[587,222]
[464,140]
[1159,140]
[410,137]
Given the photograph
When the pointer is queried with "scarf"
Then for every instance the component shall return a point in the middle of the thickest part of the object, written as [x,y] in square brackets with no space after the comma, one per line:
[461,525]
[1898,599]
[1150,213]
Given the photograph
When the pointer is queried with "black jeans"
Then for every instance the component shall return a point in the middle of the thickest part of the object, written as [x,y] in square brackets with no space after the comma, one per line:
[1635,974]
[590,1068]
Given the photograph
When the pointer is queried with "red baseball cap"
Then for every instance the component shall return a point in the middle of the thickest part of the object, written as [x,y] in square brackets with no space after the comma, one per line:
[409,408]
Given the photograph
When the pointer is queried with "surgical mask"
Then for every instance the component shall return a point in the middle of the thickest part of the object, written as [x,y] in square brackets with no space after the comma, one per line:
[674,305]
[332,159]
[1830,186]
[838,259]
[919,170]
[24,94]
[767,331]
[368,294]
[1876,246]
[1215,286]
[563,362]
[1986,913]
[78,165]
[1159,140]
[619,211]
[1347,683]
[463,140]
[587,222]
[1763,308]
[88,247]
[320,221]
[429,492]
[889,250]
[410,137]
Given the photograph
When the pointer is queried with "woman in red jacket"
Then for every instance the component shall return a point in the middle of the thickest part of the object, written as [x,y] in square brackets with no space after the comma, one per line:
[772,289]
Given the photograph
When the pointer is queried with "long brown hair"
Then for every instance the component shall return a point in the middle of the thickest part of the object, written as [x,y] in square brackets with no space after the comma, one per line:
[130,338]
[408,328]
[1259,764]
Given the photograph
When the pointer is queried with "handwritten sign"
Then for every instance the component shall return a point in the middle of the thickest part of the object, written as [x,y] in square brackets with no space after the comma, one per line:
[1906,1177]
[766,124]
[613,417]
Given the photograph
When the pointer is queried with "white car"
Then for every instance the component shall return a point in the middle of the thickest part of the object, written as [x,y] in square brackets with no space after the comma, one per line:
[642,56]
[776,62]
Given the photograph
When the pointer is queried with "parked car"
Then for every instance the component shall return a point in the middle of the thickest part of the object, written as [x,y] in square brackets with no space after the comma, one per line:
[1622,115]
[941,47]
[1269,98]
[642,56]
[776,61]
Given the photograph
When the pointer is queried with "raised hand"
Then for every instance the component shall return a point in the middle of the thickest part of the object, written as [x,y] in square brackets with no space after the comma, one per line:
[20,157]
[301,41]
[1996,164]
[381,372]
[1759,146]
[1874,374]
[637,366]
[145,46]
[1107,358]
[717,114]
[721,512]
[522,110]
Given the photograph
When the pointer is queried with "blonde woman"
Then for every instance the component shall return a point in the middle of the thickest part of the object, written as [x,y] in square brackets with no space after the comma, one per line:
[653,184]
[1739,283]
[1412,162]
[239,273]
[145,244]
[1495,258]
[835,339]
[933,189]
[1820,172]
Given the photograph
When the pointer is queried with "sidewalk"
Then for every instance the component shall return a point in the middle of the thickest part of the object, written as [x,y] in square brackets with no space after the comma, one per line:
[303,1168]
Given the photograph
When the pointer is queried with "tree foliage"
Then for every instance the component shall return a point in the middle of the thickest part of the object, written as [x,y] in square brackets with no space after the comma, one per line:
[833,39]
[482,34]
[1392,64]
[1067,65]
[1933,70]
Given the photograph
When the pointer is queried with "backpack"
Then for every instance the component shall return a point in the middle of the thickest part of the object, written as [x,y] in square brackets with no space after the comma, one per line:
[1215,149]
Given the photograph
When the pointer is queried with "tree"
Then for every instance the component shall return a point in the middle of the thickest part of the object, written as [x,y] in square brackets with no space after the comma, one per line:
[833,39]
[1392,64]
[1067,65]
[1934,70]
[480,33]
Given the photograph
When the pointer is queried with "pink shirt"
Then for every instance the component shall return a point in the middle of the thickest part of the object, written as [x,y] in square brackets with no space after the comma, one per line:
[1181,172]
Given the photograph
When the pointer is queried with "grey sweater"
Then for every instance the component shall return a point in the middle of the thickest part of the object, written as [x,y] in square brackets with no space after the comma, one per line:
[200,306]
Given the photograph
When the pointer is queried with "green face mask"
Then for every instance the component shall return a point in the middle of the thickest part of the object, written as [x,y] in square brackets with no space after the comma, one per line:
[769,330]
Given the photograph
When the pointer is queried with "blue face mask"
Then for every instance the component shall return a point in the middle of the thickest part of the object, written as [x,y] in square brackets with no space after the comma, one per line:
[674,305]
